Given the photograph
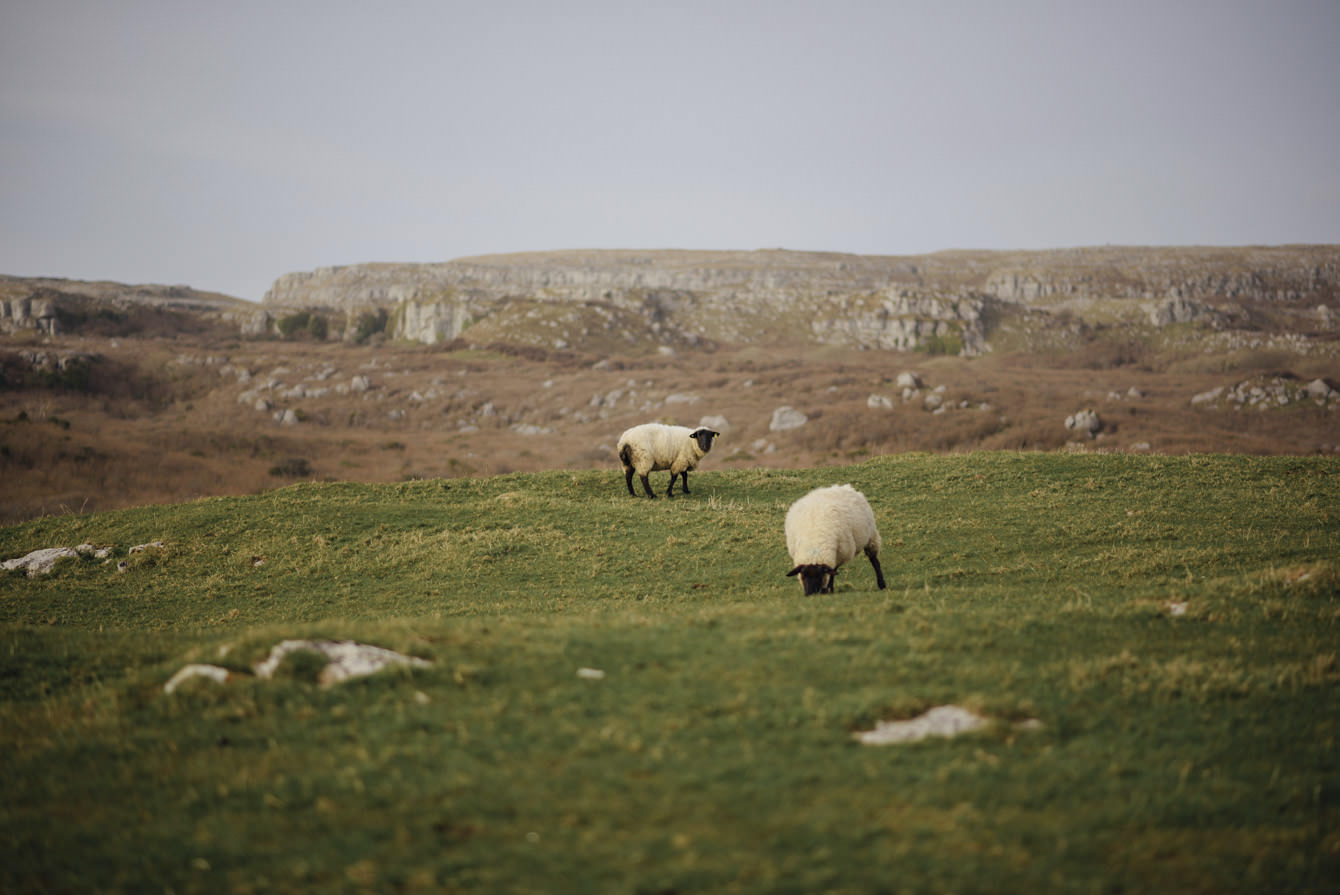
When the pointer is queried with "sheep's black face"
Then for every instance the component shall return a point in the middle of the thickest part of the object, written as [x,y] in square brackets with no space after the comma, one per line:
[816,579]
[704,438]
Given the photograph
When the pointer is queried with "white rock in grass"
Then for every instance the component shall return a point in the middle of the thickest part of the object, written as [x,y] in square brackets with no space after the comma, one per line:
[590,674]
[215,673]
[39,562]
[346,659]
[941,721]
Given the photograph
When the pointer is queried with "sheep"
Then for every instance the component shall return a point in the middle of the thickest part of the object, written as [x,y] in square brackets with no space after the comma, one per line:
[824,529]
[652,446]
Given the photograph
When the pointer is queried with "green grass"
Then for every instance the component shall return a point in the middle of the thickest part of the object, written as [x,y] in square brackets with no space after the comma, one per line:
[1187,753]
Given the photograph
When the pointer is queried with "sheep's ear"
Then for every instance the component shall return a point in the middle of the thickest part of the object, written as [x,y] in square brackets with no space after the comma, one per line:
[795,571]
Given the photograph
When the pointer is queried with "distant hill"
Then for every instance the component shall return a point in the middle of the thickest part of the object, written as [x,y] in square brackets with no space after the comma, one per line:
[604,301]
[51,305]
[956,301]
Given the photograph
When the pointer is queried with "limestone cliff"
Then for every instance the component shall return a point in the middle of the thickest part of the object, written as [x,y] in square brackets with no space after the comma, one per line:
[947,300]
[51,306]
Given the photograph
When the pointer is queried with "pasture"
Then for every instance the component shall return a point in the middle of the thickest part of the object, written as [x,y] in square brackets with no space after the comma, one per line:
[1169,623]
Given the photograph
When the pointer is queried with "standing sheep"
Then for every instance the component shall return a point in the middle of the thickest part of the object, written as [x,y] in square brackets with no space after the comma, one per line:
[652,446]
[826,528]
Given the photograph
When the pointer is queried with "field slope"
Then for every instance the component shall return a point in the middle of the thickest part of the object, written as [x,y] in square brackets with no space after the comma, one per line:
[1170,623]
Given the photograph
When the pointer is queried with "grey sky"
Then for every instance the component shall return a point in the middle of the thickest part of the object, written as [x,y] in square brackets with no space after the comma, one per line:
[222,144]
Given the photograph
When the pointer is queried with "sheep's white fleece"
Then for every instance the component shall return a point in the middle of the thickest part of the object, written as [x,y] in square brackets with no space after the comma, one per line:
[655,446]
[829,526]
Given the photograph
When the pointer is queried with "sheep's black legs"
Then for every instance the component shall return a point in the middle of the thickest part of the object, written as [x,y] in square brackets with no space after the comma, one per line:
[646,486]
[669,492]
[684,480]
[879,573]
[628,480]
[832,582]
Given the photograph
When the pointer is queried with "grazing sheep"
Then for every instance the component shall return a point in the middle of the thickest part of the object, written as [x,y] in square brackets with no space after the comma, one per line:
[652,446]
[824,529]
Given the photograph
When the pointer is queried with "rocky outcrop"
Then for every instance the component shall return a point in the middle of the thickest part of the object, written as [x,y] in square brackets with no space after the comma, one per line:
[28,313]
[54,306]
[1085,422]
[1185,310]
[341,660]
[946,302]
[786,418]
[607,301]
[905,321]
[1262,274]
[666,298]
[1270,393]
[431,322]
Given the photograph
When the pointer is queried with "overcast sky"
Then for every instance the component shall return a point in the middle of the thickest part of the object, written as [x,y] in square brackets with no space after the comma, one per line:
[220,144]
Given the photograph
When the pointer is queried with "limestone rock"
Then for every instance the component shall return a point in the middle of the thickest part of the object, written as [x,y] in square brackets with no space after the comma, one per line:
[1208,397]
[1183,310]
[431,322]
[1268,393]
[39,562]
[255,325]
[215,673]
[346,659]
[717,423]
[941,302]
[1318,390]
[786,418]
[941,721]
[1085,422]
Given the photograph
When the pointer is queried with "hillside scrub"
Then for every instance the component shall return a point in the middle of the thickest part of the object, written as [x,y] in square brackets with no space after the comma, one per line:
[1168,622]
[169,420]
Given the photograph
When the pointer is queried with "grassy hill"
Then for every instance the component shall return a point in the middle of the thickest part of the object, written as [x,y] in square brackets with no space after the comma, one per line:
[1169,622]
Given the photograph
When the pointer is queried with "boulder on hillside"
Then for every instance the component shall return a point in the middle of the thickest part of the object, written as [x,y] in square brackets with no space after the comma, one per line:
[41,562]
[1086,422]
[1184,310]
[908,379]
[1319,390]
[785,418]
[345,659]
[717,422]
